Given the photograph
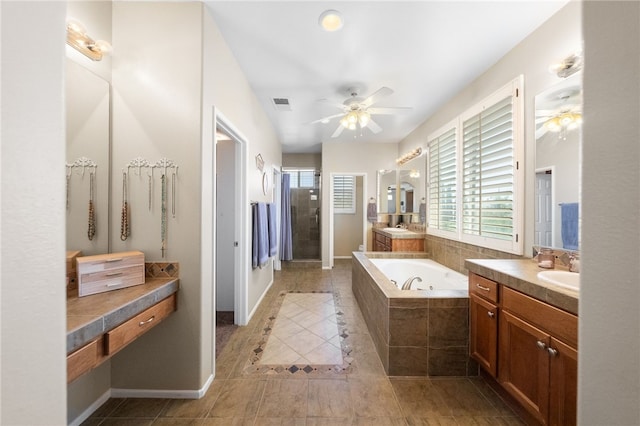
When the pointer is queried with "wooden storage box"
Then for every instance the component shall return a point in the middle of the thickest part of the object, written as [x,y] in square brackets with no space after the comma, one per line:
[106,272]
[72,273]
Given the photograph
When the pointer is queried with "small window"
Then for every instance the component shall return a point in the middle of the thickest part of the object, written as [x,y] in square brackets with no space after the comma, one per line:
[301,178]
[344,194]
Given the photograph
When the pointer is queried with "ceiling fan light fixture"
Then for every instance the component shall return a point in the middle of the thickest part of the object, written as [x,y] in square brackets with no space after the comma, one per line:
[331,20]
[363,118]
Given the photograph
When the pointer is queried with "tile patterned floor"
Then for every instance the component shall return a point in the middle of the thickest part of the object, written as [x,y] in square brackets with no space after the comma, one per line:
[254,389]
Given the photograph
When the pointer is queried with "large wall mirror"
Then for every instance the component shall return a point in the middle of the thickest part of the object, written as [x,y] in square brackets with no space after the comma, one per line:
[558,141]
[411,188]
[87,157]
[386,182]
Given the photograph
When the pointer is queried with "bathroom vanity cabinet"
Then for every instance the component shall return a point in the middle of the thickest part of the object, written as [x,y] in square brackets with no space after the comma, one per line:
[100,325]
[529,346]
[409,241]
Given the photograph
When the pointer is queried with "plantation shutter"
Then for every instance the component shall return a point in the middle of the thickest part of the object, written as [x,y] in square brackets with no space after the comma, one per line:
[344,197]
[488,172]
[442,182]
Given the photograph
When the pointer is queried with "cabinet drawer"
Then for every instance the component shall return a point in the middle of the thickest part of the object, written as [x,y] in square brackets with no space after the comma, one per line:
[84,359]
[120,336]
[112,279]
[483,287]
[554,321]
[105,262]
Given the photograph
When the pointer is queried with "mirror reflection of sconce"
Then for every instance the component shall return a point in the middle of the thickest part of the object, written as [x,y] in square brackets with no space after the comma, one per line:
[78,39]
[568,66]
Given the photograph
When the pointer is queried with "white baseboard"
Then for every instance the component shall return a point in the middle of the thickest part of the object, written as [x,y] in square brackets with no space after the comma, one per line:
[91,409]
[141,393]
[162,393]
[253,311]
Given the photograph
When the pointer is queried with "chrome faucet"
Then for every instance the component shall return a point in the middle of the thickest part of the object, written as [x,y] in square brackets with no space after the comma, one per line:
[409,281]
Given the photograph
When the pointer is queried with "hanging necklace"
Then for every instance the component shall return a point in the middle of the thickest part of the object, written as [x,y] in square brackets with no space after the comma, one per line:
[68,179]
[91,232]
[173,194]
[163,224]
[124,218]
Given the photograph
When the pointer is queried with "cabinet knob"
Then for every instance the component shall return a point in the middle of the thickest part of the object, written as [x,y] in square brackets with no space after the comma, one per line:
[491,314]
[541,345]
[552,352]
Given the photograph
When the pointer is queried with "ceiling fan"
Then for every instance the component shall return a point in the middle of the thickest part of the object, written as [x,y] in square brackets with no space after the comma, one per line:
[559,111]
[357,111]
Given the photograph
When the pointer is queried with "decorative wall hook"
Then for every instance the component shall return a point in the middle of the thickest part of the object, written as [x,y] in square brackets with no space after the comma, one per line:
[83,163]
[138,163]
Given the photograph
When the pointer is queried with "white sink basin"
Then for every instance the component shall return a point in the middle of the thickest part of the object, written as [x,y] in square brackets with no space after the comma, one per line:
[395,230]
[564,279]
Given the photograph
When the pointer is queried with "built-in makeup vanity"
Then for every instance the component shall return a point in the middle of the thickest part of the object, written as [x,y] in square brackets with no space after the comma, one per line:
[100,325]
[524,334]
[397,239]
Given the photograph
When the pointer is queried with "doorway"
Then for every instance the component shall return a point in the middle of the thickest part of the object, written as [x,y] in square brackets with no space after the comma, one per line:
[347,214]
[230,224]
[543,227]
[304,187]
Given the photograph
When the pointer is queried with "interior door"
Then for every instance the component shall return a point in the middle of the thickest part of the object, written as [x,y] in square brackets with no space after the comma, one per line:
[543,227]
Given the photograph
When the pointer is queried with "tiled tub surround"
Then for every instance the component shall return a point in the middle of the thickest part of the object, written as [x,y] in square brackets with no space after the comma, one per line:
[522,275]
[414,335]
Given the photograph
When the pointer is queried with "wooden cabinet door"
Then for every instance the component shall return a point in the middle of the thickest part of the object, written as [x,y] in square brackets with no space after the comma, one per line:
[563,379]
[524,364]
[483,343]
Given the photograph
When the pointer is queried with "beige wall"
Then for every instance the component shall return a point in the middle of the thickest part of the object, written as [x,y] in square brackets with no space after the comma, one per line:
[302,160]
[609,327]
[557,38]
[32,219]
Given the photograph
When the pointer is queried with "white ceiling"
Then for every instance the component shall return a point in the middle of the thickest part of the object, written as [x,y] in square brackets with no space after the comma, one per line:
[425,51]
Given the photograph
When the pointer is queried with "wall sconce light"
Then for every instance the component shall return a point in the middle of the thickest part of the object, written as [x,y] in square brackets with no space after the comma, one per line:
[409,156]
[78,39]
[568,66]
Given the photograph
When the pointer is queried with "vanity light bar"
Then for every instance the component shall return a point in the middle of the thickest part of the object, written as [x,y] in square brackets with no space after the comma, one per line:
[78,39]
[409,156]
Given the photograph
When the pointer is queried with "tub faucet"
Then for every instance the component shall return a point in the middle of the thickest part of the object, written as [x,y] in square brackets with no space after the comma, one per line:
[409,281]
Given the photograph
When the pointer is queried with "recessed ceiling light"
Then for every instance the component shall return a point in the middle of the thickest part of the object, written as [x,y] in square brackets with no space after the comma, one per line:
[331,20]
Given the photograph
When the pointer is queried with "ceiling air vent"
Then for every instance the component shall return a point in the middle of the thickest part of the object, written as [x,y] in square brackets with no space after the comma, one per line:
[281,104]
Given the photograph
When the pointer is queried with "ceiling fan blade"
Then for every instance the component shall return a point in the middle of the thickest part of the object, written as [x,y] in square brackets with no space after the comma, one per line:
[374,127]
[382,92]
[331,103]
[326,119]
[387,110]
[338,131]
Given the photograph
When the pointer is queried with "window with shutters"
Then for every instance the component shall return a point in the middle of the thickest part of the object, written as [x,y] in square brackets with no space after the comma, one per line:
[475,185]
[442,182]
[344,194]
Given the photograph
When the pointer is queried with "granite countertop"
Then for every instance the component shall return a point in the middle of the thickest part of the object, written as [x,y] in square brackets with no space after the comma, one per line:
[522,275]
[90,316]
[402,235]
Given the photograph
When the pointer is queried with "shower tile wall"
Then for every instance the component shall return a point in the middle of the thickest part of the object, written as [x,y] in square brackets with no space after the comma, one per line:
[305,205]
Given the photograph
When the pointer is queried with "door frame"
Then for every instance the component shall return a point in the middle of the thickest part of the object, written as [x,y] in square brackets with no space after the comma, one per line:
[362,199]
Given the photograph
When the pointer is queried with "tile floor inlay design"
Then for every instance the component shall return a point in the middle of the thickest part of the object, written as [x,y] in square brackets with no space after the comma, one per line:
[305,334]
